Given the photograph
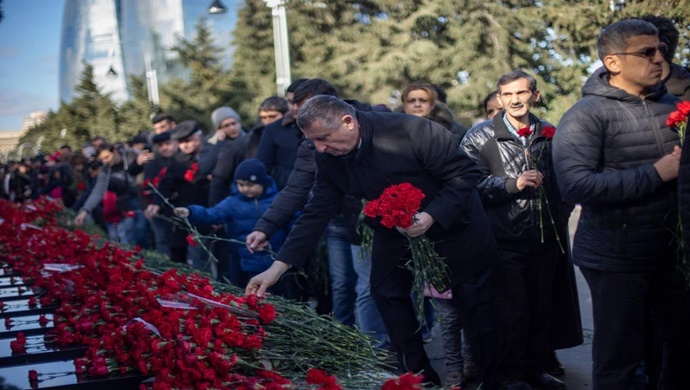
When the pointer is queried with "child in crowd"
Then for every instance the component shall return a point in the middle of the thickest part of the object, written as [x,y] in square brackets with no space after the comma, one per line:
[252,194]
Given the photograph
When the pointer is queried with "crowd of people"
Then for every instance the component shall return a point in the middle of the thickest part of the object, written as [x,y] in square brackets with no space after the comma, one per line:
[250,207]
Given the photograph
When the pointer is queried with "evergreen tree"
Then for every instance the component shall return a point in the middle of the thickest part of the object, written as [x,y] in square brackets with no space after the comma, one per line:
[371,50]
[209,83]
[134,115]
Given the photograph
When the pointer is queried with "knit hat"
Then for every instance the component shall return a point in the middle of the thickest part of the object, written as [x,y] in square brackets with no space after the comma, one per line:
[222,113]
[252,170]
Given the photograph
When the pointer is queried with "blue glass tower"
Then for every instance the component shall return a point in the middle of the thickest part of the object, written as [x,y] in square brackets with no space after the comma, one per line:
[130,35]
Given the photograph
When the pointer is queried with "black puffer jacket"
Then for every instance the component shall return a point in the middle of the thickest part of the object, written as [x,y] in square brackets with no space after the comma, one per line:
[604,151]
[516,218]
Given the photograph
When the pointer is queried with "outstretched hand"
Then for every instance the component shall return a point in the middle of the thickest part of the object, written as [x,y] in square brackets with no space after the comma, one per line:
[256,241]
[259,283]
[181,212]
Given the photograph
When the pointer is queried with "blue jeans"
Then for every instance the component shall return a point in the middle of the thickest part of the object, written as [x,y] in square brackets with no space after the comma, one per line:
[451,327]
[368,315]
[343,276]
[123,232]
[199,258]
[161,235]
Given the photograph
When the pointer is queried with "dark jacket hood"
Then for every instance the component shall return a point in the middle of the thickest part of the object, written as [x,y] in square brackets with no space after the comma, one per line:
[598,85]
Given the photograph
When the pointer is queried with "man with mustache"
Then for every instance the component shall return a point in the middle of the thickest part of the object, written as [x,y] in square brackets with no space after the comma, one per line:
[513,154]
[615,155]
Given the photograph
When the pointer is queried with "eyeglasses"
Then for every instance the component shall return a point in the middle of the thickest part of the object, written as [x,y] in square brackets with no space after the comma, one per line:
[648,52]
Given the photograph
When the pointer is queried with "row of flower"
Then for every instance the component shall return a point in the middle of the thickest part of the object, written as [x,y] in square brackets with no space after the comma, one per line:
[174,326]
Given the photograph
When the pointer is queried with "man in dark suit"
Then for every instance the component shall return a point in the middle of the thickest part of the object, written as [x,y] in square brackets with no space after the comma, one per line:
[359,154]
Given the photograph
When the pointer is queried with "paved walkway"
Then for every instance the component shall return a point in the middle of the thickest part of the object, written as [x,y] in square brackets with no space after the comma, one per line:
[577,361]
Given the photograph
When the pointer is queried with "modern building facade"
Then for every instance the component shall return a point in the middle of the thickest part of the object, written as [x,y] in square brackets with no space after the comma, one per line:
[134,37]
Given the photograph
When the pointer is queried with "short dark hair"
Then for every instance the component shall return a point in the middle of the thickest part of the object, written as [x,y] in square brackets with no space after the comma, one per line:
[329,109]
[65,146]
[613,39]
[160,117]
[668,34]
[487,99]
[313,87]
[274,103]
[516,75]
[293,85]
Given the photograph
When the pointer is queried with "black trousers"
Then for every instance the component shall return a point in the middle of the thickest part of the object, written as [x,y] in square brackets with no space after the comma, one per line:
[391,285]
[619,301]
[524,279]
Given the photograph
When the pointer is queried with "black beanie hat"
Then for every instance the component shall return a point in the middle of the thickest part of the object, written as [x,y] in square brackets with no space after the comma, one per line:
[252,170]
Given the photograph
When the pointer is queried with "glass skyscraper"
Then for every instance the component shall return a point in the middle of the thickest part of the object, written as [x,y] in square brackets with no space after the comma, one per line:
[129,35]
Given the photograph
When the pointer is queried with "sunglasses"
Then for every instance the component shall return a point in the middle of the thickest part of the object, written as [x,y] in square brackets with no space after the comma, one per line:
[648,52]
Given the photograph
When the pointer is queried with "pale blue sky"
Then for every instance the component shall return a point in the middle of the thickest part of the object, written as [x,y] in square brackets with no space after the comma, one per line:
[29,59]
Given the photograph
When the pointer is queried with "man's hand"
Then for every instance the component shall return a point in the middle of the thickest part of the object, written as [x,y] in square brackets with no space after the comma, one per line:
[668,165]
[152,210]
[259,283]
[79,219]
[181,212]
[422,223]
[220,135]
[144,157]
[256,241]
[531,178]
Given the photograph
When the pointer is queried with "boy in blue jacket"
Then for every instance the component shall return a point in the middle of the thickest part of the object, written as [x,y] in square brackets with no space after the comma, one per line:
[253,192]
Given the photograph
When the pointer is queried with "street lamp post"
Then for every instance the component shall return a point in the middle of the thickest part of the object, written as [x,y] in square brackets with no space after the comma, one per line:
[151,77]
[280,40]
[280,44]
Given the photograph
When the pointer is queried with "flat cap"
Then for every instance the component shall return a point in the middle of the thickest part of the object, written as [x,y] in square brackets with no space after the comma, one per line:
[184,129]
[162,137]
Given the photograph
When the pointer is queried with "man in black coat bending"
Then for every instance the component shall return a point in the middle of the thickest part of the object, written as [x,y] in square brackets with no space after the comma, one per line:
[360,154]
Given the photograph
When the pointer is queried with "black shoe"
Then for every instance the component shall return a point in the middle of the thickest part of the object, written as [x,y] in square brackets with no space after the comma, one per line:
[545,381]
[554,366]
[515,384]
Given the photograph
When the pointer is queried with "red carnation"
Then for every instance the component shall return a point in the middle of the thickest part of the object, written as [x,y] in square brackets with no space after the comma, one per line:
[42,320]
[33,375]
[408,381]
[548,132]
[191,241]
[524,132]
[396,206]
[81,186]
[684,108]
[191,172]
[675,118]
[320,377]
[130,214]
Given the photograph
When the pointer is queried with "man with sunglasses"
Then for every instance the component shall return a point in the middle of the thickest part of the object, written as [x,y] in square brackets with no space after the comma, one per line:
[614,155]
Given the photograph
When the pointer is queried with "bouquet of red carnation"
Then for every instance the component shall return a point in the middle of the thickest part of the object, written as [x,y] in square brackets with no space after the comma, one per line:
[397,207]
[191,172]
[679,121]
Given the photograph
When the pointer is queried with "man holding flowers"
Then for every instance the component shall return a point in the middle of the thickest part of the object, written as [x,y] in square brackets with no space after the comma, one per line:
[529,220]
[615,154]
[360,154]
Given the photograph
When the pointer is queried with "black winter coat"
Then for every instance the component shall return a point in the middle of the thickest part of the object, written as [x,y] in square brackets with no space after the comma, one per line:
[278,148]
[398,148]
[519,219]
[604,151]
